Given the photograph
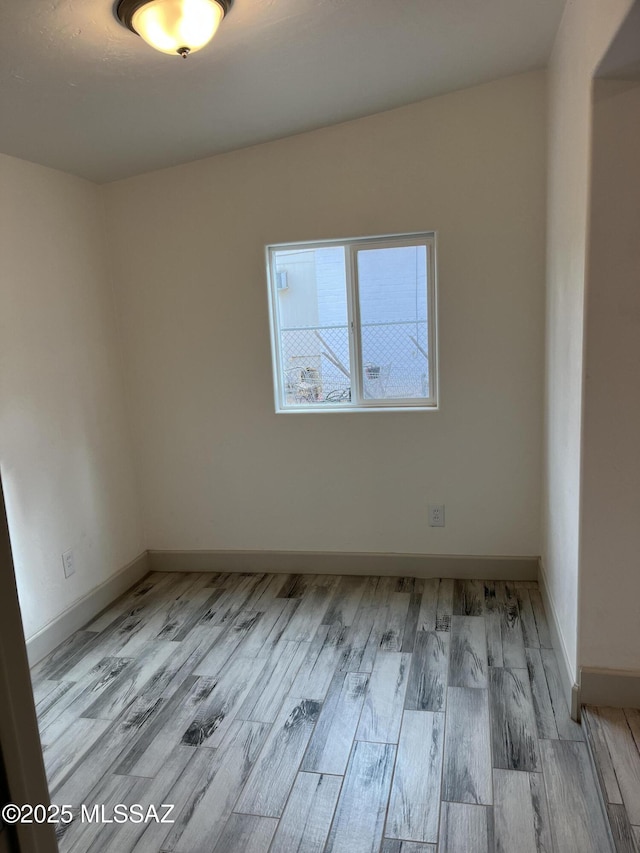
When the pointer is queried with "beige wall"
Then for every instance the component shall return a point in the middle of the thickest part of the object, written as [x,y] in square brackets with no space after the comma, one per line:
[64,443]
[610,530]
[585,32]
[219,468]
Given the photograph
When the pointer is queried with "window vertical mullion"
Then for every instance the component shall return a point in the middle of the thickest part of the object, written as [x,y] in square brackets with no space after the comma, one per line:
[431,319]
[276,333]
[355,343]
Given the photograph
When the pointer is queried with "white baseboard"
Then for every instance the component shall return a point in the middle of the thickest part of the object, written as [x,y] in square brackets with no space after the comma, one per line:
[82,611]
[347,563]
[614,687]
[571,689]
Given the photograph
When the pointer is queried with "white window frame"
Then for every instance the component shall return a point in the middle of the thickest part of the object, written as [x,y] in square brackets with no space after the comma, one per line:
[358,402]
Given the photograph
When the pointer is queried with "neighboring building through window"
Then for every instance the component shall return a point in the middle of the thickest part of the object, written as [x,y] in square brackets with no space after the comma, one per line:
[353,323]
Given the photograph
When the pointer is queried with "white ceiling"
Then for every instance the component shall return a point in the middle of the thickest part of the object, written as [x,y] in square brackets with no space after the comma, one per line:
[81,93]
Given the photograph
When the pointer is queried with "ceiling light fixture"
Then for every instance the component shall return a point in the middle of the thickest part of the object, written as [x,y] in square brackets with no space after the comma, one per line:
[173,26]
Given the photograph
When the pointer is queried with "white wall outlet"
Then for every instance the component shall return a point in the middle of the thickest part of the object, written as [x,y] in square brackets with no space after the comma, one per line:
[68,564]
[436,515]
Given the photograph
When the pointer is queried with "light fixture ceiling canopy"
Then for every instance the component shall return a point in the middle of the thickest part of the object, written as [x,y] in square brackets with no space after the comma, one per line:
[173,26]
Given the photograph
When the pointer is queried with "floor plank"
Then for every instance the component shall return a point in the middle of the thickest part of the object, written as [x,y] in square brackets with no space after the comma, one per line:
[633,720]
[386,629]
[151,588]
[198,612]
[621,829]
[84,775]
[468,598]
[513,727]
[465,829]
[43,688]
[527,618]
[392,636]
[411,627]
[444,609]
[62,660]
[625,757]
[467,748]
[273,683]
[493,622]
[391,845]
[155,666]
[305,823]
[79,835]
[234,600]
[247,833]
[492,597]
[415,792]
[542,626]
[227,642]
[179,617]
[215,715]
[265,593]
[521,818]
[359,634]
[382,712]
[295,586]
[162,731]
[159,616]
[361,809]
[567,728]
[543,709]
[63,747]
[511,628]
[330,745]
[273,776]
[602,756]
[178,795]
[577,819]
[180,772]
[201,822]
[345,601]
[264,637]
[468,660]
[429,673]
[309,615]
[318,667]
[74,697]
[427,615]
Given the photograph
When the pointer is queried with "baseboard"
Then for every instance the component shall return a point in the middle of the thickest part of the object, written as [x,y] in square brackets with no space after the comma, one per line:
[571,689]
[617,688]
[82,611]
[347,563]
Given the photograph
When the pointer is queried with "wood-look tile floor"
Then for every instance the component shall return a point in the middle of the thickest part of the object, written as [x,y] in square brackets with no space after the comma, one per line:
[309,713]
[614,737]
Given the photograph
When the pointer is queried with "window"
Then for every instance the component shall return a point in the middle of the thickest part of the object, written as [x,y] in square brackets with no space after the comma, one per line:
[353,324]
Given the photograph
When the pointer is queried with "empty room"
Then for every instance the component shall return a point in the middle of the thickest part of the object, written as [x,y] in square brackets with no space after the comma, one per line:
[319,414]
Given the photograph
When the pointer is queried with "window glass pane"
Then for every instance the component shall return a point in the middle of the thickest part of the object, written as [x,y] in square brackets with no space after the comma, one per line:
[311,295]
[392,287]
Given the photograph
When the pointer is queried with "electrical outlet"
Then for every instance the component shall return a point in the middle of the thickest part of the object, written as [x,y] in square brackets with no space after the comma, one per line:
[68,564]
[436,515]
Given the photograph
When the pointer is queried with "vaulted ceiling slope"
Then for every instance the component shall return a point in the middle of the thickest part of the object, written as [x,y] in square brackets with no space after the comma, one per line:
[80,93]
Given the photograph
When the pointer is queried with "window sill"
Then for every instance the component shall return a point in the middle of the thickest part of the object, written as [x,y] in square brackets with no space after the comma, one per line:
[308,410]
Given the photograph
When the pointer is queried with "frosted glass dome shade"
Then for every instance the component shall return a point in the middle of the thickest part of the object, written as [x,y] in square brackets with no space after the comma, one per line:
[178,26]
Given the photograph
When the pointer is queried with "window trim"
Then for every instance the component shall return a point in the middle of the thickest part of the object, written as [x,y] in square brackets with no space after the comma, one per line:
[351,247]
